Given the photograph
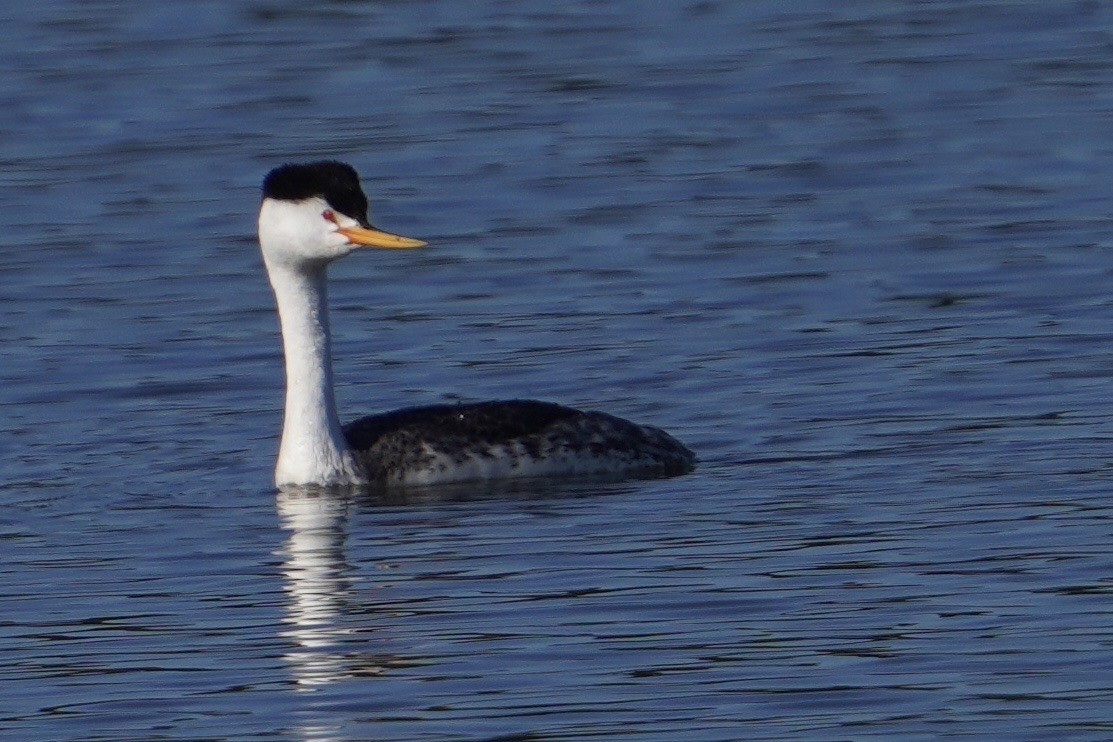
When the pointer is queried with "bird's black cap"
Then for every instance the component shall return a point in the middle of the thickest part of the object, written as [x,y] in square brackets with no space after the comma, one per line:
[336,182]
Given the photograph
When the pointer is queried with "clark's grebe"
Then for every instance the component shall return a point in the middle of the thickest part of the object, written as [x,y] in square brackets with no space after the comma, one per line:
[315,213]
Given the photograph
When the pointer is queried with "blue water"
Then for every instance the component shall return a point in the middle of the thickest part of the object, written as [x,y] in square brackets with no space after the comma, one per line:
[856,255]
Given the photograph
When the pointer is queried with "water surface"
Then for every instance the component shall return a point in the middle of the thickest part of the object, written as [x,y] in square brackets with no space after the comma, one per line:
[857,257]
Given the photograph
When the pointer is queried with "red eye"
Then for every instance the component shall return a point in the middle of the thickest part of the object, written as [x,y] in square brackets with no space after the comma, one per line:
[329,215]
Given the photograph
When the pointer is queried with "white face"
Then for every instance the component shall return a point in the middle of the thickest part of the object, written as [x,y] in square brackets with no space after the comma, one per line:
[303,231]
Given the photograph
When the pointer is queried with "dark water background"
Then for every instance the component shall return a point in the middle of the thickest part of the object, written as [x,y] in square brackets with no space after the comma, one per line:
[856,254]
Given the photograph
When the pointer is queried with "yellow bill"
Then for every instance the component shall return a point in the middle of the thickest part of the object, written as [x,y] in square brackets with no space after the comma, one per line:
[375,238]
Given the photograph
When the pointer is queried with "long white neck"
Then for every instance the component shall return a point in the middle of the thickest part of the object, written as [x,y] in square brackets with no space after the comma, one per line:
[313,449]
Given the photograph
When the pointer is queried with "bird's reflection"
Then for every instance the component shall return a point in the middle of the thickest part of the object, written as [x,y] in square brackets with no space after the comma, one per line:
[317,582]
[329,624]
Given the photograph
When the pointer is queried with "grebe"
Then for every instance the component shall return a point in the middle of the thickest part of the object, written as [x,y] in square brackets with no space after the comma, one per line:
[315,213]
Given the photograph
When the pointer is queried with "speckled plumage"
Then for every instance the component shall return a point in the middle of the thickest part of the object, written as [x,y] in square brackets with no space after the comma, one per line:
[516,438]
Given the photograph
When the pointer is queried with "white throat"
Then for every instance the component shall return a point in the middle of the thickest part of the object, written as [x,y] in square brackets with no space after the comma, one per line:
[313,449]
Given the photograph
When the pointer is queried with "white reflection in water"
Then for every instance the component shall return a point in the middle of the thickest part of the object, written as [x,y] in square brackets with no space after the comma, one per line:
[317,582]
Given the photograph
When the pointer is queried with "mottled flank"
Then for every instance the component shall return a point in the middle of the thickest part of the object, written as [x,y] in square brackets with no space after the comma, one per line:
[519,438]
